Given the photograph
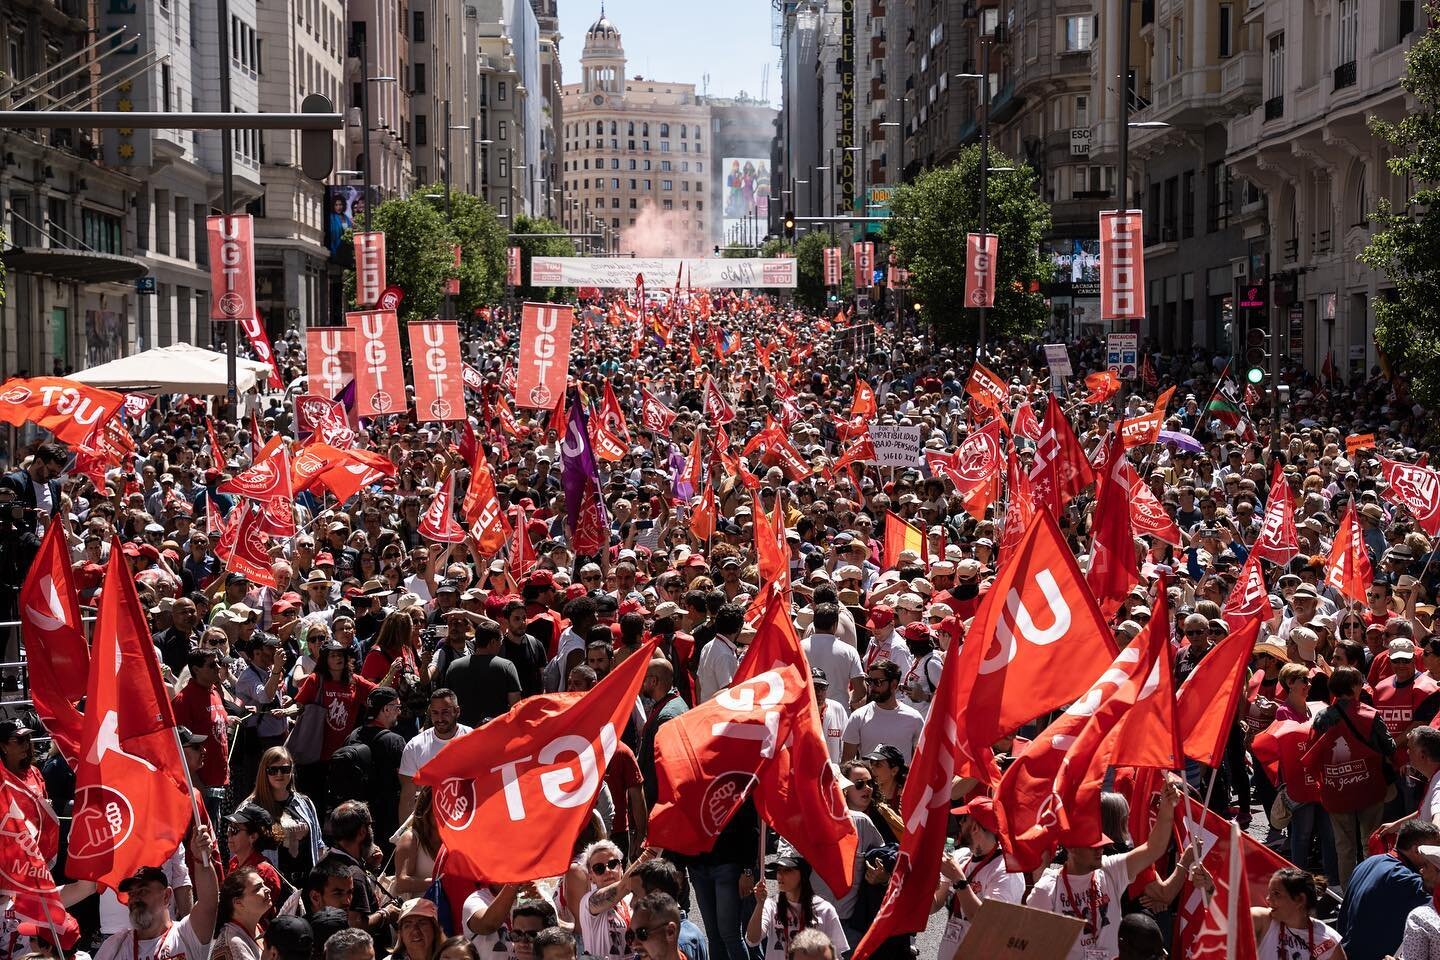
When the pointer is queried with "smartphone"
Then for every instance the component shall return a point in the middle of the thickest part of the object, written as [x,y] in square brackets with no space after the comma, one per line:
[442,630]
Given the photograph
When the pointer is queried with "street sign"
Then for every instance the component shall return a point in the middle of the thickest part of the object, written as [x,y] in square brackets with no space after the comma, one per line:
[145,285]
[1079,141]
[1122,354]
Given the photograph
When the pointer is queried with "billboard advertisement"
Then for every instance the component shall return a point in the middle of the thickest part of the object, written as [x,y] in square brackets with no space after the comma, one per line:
[344,208]
[1077,266]
[746,194]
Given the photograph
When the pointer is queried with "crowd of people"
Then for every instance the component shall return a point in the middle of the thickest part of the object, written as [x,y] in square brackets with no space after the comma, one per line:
[308,707]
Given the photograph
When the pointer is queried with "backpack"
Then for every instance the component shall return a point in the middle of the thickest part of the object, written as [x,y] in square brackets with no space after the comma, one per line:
[1350,771]
[348,774]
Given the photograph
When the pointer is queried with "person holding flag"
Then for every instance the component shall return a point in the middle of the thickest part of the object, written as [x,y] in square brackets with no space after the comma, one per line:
[154,933]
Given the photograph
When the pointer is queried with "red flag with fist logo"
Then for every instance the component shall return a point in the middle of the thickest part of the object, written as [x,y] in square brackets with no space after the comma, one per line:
[1278,540]
[511,797]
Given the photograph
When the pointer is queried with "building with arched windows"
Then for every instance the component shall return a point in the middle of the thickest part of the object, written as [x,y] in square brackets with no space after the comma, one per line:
[638,162]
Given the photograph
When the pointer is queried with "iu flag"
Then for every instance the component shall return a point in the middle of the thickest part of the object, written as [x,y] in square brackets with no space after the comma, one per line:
[435,367]
[589,523]
[1113,569]
[438,523]
[717,409]
[67,409]
[987,388]
[544,355]
[1278,541]
[832,266]
[982,253]
[1415,488]
[56,651]
[132,799]
[1348,567]
[1122,265]
[1061,469]
[1249,599]
[369,267]
[380,370]
[1210,696]
[136,404]
[512,796]
[709,758]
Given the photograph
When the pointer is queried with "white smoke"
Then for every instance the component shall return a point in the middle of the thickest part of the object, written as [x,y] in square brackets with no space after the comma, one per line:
[658,233]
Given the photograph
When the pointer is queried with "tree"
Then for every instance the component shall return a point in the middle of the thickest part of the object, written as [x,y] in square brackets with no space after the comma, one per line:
[418,254]
[538,246]
[928,223]
[1407,327]
[481,235]
[737,251]
[810,290]
[776,247]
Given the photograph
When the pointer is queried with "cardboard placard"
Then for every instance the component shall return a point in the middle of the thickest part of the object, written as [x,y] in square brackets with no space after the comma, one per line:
[1057,356]
[1009,930]
[896,445]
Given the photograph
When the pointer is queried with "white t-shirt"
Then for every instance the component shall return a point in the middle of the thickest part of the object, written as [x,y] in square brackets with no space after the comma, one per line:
[491,946]
[893,648]
[833,717]
[114,917]
[871,725]
[992,882]
[826,920]
[1430,803]
[569,641]
[838,659]
[423,747]
[178,942]
[603,934]
[718,663]
[1280,941]
[1093,898]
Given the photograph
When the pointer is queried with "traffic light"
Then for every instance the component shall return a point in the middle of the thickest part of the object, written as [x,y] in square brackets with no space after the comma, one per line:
[1257,354]
[789,224]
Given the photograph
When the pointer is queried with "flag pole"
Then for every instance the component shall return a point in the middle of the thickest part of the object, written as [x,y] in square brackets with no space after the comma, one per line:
[189,783]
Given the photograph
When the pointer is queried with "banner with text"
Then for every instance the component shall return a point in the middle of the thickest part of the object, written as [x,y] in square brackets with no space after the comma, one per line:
[512,266]
[896,445]
[435,359]
[1122,265]
[981,251]
[369,267]
[380,370]
[618,273]
[329,359]
[832,266]
[232,267]
[544,355]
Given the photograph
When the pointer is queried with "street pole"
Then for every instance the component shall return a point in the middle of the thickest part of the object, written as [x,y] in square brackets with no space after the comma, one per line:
[984,167]
[449,299]
[227,202]
[365,120]
[1123,187]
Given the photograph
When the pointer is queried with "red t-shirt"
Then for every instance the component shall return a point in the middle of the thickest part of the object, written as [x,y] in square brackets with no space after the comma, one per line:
[202,710]
[342,706]
[622,773]
[377,664]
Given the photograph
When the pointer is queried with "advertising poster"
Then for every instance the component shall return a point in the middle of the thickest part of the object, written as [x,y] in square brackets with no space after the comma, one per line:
[746,193]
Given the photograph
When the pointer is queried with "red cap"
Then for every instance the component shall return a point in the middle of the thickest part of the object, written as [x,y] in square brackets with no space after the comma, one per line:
[880,616]
[574,591]
[495,603]
[696,561]
[541,578]
[131,549]
[535,527]
[631,605]
[280,606]
[212,475]
[952,626]
[982,811]
[321,559]
[915,631]
[149,551]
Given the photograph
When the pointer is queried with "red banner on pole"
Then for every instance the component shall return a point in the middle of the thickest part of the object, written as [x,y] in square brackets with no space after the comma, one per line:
[864,264]
[329,359]
[512,272]
[832,266]
[232,266]
[435,356]
[1122,265]
[981,253]
[369,267]
[544,355]
[379,370]
[452,285]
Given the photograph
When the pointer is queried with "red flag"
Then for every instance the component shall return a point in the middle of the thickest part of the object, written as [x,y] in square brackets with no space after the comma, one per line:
[1210,696]
[709,758]
[1025,424]
[1142,430]
[1103,385]
[1113,570]
[435,359]
[132,796]
[702,517]
[1278,540]
[900,535]
[1019,505]
[1061,468]
[544,354]
[717,409]
[438,523]
[251,552]
[863,404]
[975,469]
[1147,514]
[222,531]
[511,797]
[1122,265]
[862,450]
[981,253]
[1416,488]
[217,452]
[380,376]
[987,388]
[798,794]
[522,551]
[483,512]
[612,416]
[1348,567]
[1241,868]
[654,415]
[67,409]
[1051,793]
[264,479]
[55,647]
[29,838]
[1249,599]
[1147,373]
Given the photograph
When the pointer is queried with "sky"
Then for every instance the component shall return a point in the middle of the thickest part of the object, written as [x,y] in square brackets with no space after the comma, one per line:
[681,41]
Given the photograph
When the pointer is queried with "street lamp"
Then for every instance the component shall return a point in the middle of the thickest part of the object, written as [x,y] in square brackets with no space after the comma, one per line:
[365,120]
[983,76]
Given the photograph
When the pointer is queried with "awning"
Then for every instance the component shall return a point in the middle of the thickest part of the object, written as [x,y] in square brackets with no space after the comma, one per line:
[178,368]
[78,266]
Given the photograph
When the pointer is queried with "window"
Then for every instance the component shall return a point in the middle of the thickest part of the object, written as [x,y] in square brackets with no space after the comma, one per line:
[667,204]
[1276,63]
[615,203]
[699,167]
[683,129]
[1187,204]
[615,222]
[631,164]
[685,186]
[504,206]
[502,89]
[699,204]
[1349,31]
[504,129]
[648,183]
[664,129]
[645,165]
[1079,33]
[664,146]
[698,188]
[612,128]
[645,131]
[1218,208]
[684,166]
[630,128]
[101,232]
[417,29]
[1226,27]
[664,166]
[633,204]
[615,183]
[505,166]
[165,87]
[1082,110]
[422,130]
[667,185]
[419,78]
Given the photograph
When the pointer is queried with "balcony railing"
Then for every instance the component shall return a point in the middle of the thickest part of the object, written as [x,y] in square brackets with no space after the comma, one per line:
[1345,75]
[1275,108]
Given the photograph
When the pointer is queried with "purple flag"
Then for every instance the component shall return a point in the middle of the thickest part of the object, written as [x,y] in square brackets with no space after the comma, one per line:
[584,510]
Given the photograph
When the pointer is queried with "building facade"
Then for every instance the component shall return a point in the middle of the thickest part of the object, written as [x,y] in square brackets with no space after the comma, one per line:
[637,155]
[378,66]
[743,136]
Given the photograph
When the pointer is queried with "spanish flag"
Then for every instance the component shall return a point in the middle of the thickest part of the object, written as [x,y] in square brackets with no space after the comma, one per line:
[901,535]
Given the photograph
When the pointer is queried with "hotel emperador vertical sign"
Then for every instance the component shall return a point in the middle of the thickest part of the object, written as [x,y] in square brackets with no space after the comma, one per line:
[847,106]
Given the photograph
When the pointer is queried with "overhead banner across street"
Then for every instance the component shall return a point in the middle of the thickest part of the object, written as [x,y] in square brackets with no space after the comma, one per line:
[618,273]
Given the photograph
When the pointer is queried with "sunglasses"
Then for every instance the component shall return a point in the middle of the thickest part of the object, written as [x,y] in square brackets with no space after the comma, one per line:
[875,681]
[866,784]
[279,769]
[639,934]
[1196,633]
[523,936]
[605,866]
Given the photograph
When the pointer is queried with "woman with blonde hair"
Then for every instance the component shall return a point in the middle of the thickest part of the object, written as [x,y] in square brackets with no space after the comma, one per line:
[416,846]
[297,823]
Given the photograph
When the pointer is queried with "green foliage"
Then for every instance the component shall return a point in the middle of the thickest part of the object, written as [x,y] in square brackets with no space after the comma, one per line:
[419,251]
[776,247]
[1407,328]
[539,247]
[929,220]
[810,289]
[737,251]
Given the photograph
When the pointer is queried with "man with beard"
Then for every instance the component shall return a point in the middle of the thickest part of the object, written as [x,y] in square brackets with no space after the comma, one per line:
[152,932]
[884,719]
[655,927]
[521,647]
[352,835]
[445,725]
